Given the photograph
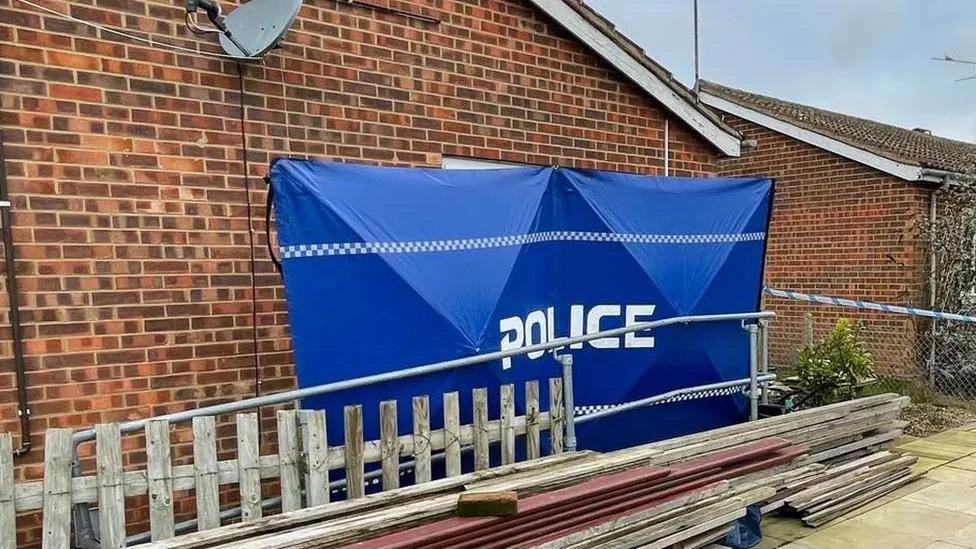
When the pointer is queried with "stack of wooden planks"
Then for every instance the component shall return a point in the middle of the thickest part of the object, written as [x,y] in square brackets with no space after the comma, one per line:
[842,488]
[821,463]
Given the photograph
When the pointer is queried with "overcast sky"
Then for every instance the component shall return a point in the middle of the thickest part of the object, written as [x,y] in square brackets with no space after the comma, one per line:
[869,58]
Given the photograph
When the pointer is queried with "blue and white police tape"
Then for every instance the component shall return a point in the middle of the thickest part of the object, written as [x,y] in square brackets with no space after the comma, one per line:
[867,305]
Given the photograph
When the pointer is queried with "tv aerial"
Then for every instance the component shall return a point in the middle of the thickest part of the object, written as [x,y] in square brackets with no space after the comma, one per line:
[250,31]
[948,59]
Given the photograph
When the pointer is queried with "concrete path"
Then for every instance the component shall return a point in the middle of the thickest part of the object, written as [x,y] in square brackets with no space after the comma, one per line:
[935,512]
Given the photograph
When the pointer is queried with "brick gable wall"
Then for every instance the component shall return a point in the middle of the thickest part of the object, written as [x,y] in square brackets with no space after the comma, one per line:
[839,228]
[125,173]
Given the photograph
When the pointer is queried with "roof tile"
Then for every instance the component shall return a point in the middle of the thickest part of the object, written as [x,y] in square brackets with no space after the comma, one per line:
[915,147]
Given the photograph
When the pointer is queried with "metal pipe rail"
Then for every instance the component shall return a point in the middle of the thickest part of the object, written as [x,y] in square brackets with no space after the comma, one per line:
[85,534]
[298,394]
[664,397]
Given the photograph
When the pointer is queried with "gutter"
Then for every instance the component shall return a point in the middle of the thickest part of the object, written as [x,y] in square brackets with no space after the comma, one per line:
[13,297]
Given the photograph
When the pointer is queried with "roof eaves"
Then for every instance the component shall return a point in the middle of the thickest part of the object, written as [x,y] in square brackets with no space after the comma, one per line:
[600,35]
[909,171]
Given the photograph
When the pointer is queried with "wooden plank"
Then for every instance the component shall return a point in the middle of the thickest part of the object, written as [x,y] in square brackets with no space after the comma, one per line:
[317,457]
[421,438]
[290,459]
[532,450]
[390,443]
[351,508]
[354,451]
[556,414]
[480,399]
[205,463]
[159,471]
[111,498]
[57,489]
[8,513]
[248,463]
[507,415]
[452,434]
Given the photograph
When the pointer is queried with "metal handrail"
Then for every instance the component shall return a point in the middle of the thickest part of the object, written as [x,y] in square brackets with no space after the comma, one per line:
[298,394]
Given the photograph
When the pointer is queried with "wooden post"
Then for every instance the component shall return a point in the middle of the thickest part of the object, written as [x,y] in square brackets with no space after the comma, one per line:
[159,471]
[57,489]
[289,459]
[354,451]
[249,466]
[8,514]
[389,445]
[480,429]
[452,434]
[532,420]
[421,438]
[205,473]
[507,434]
[111,498]
[556,414]
[317,455]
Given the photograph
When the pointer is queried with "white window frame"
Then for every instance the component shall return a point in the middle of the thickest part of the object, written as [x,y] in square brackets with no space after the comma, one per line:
[464,163]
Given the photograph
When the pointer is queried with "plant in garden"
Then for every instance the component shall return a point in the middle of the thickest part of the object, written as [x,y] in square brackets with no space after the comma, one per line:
[830,369]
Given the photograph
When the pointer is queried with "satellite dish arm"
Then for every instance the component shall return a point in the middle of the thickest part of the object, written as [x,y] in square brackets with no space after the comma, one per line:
[215,14]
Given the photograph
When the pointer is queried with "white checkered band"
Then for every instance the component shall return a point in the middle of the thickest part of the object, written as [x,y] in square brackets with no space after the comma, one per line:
[711,393]
[427,246]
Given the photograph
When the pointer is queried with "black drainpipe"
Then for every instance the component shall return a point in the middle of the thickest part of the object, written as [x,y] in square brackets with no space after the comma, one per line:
[13,296]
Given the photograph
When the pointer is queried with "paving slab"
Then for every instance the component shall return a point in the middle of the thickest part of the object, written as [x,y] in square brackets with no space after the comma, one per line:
[936,450]
[952,474]
[861,535]
[915,519]
[962,538]
[951,496]
[967,463]
[958,438]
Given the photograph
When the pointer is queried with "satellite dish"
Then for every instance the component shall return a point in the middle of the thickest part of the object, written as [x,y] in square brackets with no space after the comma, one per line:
[258,26]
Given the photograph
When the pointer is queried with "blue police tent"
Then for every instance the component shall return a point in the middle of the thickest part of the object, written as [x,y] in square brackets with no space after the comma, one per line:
[389,268]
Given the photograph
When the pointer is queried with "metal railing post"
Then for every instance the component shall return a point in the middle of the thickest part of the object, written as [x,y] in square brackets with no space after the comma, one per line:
[753,330]
[764,356]
[569,442]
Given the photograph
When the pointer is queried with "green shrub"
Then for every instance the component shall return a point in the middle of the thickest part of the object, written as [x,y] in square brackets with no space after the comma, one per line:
[830,369]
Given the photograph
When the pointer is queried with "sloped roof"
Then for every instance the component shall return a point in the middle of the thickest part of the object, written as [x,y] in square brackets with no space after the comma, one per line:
[601,36]
[913,147]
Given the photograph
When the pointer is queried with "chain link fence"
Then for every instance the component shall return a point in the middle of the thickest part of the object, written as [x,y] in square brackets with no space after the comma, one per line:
[915,352]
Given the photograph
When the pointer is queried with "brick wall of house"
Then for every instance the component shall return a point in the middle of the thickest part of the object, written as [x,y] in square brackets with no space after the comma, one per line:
[125,172]
[839,228]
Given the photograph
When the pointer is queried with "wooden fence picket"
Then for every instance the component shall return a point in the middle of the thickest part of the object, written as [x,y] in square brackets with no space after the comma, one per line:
[354,451]
[421,439]
[452,434]
[389,445]
[159,471]
[480,428]
[507,414]
[556,414]
[8,513]
[316,444]
[207,488]
[289,461]
[249,466]
[111,498]
[57,489]
[532,420]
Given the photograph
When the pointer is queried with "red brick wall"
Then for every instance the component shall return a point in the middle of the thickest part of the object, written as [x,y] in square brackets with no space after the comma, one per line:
[842,229]
[126,176]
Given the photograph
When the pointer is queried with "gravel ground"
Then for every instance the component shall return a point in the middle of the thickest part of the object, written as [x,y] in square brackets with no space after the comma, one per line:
[928,419]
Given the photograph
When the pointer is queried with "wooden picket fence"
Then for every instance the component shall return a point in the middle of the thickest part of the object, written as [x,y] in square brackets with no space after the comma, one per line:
[301,465]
